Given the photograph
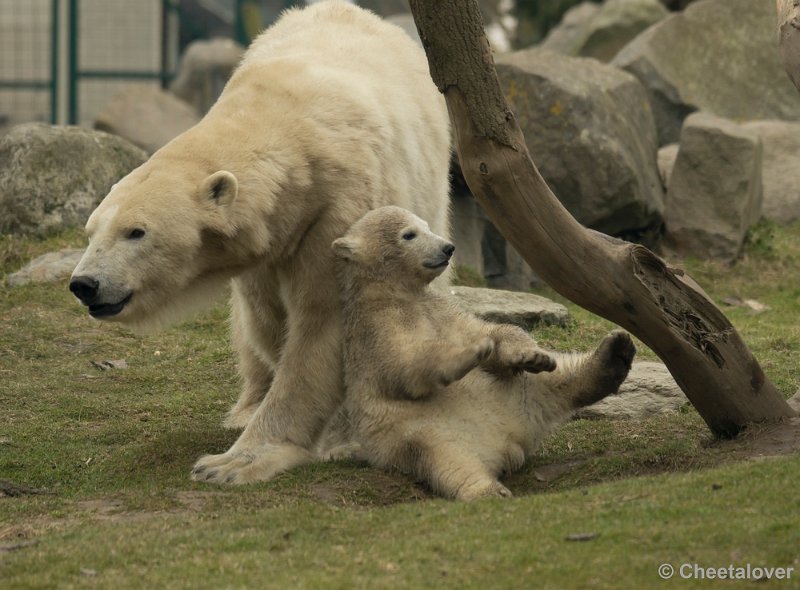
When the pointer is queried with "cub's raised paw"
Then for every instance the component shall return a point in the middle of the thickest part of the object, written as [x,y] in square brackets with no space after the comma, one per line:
[615,355]
[618,349]
[537,362]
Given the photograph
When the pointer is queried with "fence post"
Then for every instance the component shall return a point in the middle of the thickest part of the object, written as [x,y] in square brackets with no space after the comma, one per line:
[54,40]
[73,62]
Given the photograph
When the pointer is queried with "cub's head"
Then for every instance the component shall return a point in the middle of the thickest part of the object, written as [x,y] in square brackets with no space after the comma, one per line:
[160,245]
[394,245]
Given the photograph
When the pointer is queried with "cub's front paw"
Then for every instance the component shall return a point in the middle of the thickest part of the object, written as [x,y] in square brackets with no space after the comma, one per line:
[512,358]
[483,350]
[535,362]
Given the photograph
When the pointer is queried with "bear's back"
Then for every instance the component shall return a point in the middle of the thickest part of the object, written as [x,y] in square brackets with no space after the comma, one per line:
[357,88]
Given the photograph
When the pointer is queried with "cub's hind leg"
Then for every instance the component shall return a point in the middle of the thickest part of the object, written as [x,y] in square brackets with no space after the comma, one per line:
[582,380]
[453,472]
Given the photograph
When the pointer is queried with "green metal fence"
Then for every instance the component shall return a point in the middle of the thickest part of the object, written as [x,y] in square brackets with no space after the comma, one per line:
[83,51]
[29,43]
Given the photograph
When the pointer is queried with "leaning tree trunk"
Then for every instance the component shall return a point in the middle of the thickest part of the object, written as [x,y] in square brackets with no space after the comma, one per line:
[623,282]
[789,37]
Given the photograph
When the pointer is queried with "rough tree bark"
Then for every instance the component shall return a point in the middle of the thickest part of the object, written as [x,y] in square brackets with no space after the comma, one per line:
[789,37]
[623,282]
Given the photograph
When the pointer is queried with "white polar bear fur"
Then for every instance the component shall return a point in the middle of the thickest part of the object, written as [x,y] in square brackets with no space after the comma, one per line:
[432,390]
[331,113]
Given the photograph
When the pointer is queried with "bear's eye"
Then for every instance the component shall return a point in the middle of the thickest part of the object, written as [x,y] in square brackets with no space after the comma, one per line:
[409,235]
[136,234]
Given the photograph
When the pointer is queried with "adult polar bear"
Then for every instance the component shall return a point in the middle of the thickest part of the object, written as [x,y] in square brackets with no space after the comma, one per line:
[331,113]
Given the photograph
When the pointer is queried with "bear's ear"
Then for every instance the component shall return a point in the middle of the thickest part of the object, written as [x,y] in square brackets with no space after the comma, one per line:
[346,247]
[220,188]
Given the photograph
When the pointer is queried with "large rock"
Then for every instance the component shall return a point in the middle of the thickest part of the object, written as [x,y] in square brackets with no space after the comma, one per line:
[717,56]
[568,36]
[204,70]
[649,390]
[51,178]
[146,116]
[781,170]
[601,30]
[590,131]
[715,189]
[525,310]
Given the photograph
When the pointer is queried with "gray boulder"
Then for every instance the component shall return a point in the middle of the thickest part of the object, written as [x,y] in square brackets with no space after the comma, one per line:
[717,56]
[51,178]
[715,189]
[568,36]
[146,116]
[601,30]
[47,268]
[525,310]
[781,170]
[649,390]
[591,133]
[204,70]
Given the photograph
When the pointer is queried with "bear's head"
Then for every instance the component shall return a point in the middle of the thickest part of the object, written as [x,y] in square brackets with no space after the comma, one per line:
[160,246]
[393,245]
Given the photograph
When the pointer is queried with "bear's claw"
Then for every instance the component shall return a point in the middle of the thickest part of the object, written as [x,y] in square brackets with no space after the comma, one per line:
[260,463]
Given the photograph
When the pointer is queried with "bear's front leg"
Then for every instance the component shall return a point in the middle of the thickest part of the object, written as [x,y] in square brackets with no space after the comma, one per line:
[258,325]
[422,368]
[305,392]
[515,351]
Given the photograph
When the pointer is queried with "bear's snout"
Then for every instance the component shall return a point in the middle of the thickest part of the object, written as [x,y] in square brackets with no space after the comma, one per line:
[84,288]
[448,250]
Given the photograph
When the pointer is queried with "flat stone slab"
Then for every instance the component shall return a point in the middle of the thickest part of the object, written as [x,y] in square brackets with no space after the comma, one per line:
[525,310]
[649,390]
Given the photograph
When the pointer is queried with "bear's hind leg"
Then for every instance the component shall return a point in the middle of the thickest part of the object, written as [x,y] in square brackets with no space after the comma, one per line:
[455,473]
[582,380]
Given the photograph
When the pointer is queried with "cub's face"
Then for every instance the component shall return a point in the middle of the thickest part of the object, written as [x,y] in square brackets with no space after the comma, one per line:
[394,244]
[155,249]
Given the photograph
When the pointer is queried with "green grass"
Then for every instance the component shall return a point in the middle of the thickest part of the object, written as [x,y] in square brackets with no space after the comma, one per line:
[114,449]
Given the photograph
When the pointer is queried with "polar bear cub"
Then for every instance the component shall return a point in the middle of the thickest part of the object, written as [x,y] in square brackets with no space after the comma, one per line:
[436,392]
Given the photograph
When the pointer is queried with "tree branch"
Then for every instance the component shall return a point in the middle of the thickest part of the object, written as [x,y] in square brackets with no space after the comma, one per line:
[622,282]
[789,37]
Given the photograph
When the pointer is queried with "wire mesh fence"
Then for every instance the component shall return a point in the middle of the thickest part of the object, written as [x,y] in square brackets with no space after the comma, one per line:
[28,47]
[64,60]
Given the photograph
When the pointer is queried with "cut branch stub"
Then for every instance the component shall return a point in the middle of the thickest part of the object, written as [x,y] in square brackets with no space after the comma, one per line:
[622,282]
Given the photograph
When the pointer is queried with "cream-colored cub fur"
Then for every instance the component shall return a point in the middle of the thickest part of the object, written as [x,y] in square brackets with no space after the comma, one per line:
[331,113]
[436,392]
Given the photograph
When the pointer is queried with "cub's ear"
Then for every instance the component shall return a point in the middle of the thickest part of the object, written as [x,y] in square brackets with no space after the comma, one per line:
[221,188]
[346,247]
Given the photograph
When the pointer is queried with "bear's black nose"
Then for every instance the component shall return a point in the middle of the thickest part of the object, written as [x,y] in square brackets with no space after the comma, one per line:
[84,288]
[448,250]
